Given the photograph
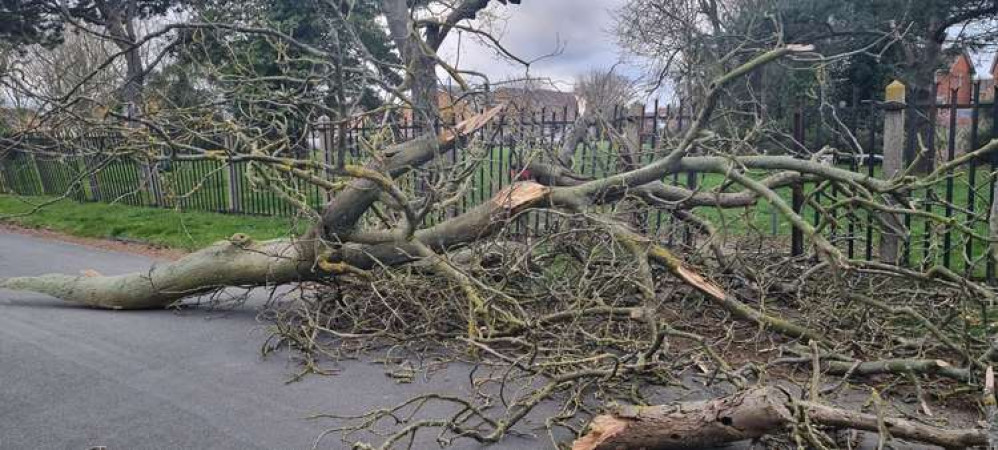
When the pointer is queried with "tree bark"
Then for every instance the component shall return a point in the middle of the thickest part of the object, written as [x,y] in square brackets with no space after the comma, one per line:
[119,20]
[343,211]
[576,134]
[923,63]
[240,262]
[692,425]
[421,66]
[746,415]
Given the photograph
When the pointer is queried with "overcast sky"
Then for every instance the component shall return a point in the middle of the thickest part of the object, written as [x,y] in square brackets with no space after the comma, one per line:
[581,29]
[583,32]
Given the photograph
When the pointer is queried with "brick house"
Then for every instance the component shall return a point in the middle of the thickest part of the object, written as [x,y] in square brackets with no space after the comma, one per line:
[962,76]
[959,76]
[534,101]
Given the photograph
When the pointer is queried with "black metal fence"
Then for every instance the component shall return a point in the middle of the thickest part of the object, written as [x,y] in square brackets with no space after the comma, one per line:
[951,228]
[87,169]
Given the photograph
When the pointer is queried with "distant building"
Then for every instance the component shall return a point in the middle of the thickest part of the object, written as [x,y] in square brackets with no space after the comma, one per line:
[529,101]
[959,76]
[455,107]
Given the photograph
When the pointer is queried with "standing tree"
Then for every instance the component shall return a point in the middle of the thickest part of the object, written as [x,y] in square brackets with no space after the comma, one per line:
[601,93]
[117,21]
[419,28]
[71,68]
[902,39]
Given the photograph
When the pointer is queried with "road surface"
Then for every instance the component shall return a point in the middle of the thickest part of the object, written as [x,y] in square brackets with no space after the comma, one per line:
[76,378]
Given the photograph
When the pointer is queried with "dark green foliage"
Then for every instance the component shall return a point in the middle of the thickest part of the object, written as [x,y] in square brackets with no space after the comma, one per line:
[28,22]
[290,70]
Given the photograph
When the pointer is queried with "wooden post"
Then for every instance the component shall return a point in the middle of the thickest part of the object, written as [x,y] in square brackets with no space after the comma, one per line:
[325,139]
[894,129]
[894,162]
[796,235]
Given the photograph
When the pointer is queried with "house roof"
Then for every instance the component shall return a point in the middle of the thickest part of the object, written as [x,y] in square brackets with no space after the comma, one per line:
[537,99]
[952,59]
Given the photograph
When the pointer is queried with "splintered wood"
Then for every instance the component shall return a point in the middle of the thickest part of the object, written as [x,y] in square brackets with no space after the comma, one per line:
[698,281]
[470,125]
[519,195]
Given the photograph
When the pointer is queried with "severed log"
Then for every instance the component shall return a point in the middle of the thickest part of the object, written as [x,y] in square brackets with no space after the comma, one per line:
[747,415]
[899,428]
[690,425]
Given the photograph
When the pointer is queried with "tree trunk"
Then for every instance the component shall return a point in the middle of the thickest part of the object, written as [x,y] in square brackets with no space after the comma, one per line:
[238,262]
[343,212]
[421,67]
[241,262]
[132,92]
[119,21]
[424,92]
[566,156]
[923,63]
[747,415]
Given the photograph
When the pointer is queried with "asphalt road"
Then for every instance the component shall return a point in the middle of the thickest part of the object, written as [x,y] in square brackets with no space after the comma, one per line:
[75,378]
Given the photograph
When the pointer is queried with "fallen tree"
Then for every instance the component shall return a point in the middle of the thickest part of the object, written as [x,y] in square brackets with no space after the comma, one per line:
[594,306]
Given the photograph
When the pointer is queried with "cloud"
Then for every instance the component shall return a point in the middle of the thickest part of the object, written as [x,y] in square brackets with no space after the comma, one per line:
[581,31]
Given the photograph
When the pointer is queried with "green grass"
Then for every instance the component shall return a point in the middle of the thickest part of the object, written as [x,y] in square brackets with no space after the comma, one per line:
[204,186]
[187,230]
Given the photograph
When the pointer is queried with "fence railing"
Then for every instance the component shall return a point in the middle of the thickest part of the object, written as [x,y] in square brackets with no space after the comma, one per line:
[512,140]
[88,167]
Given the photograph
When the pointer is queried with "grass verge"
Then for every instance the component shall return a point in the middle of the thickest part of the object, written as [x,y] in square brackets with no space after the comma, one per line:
[185,230]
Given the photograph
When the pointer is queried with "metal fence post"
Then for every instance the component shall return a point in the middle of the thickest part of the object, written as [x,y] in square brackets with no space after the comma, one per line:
[894,162]
[91,172]
[33,166]
[797,193]
[235,196]
[151,177]
[326,143]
